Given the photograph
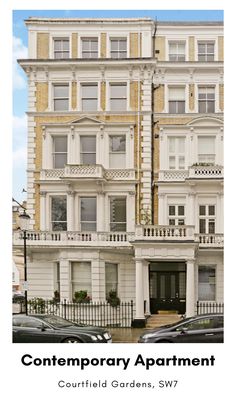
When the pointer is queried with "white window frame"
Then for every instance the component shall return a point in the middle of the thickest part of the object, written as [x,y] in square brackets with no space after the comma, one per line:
[59,35]
[207,217]
[208,86]
[118,51]
[206,42]
[80,197]
[50,197]
[176,154]
[61,51]
[89,38]
[94,84]
[203,38]
[87,134]
[54,153]
[118,82]
[117,278]
[184,88]
[88,35]
[215,281]
[89,285]
[176,217]
[51,96]
[118,35]
[207,160]
[113,153]
[177,42]
[109,209]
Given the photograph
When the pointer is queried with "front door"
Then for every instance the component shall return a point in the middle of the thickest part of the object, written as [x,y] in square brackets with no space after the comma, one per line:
[167,291]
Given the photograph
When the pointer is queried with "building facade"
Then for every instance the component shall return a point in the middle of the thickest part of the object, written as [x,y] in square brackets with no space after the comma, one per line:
[125,161]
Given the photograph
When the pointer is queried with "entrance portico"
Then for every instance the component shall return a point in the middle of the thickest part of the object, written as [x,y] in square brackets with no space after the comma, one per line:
[164,279]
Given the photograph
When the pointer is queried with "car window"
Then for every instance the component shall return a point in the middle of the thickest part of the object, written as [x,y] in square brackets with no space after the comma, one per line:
[201,324]
[219,322]
[33,323]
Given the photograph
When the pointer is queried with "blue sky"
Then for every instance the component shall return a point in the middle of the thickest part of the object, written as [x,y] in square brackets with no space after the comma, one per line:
[20,42]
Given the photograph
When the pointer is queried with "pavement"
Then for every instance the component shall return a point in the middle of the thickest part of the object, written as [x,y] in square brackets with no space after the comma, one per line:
[126,335]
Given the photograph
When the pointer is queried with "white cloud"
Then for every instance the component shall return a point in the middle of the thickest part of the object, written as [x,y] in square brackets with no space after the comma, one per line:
[19,131]
[20,158]
[19,51]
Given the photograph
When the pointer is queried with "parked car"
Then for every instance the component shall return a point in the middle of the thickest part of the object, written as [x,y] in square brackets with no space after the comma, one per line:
[43,328]
[206,328]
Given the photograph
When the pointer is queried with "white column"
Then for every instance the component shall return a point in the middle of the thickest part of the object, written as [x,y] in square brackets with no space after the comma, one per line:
[65,280]
[190,211]
[190,289]
[70,211]
[100,211]
[43,210]
[139,290]
[146,286]
[161,209]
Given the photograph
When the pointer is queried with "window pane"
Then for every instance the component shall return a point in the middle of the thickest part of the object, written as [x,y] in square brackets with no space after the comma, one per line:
[61,91]
[81,277]
[60,144]
[171,210]
[211,209]
[177,93]
[89,91]
[58,213]
[118,90]
[202,226]
[202,210]
[117,160]
[118,214]
[89,104]
[212,226]
[61,104]
[181,162]
[88,158]
[117,143]
[88,208]
[88,144]
[171,162]
[171,145]
[180,210]
[60,160]
[111,277]
[206,283]
[118,104]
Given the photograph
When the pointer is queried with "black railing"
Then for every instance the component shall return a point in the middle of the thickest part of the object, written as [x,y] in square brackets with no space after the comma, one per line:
[93,313]
[209,307]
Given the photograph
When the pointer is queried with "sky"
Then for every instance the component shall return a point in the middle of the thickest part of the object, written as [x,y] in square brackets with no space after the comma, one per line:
[20,42]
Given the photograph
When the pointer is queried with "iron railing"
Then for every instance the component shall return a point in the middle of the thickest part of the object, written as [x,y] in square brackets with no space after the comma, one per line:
[205,307]
[93,313]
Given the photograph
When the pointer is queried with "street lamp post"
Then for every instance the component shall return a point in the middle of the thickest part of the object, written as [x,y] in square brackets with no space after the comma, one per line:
[24,219]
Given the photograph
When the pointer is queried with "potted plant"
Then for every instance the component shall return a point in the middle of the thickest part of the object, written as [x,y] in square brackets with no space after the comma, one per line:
[81,297]
[113,299]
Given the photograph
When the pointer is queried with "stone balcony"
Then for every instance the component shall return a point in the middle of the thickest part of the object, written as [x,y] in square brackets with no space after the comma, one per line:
[194,172]
[73,238]
[179,234]
[81,171]
[146,233]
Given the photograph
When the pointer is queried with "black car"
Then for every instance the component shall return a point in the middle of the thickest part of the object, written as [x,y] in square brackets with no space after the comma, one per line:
[206,328]
[43,328]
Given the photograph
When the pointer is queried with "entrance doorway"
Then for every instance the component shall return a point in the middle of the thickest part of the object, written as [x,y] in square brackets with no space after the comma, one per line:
[167,287]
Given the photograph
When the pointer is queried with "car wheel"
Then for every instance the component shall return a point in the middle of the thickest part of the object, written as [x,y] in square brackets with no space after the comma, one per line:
[71,340]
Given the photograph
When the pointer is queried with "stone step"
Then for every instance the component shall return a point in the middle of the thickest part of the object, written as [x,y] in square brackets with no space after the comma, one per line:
[157,320]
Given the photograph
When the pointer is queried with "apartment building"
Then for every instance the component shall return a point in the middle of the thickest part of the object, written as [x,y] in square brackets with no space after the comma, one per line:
[125,161]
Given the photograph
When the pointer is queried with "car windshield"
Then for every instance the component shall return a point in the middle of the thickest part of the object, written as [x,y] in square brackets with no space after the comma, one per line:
[58,321]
